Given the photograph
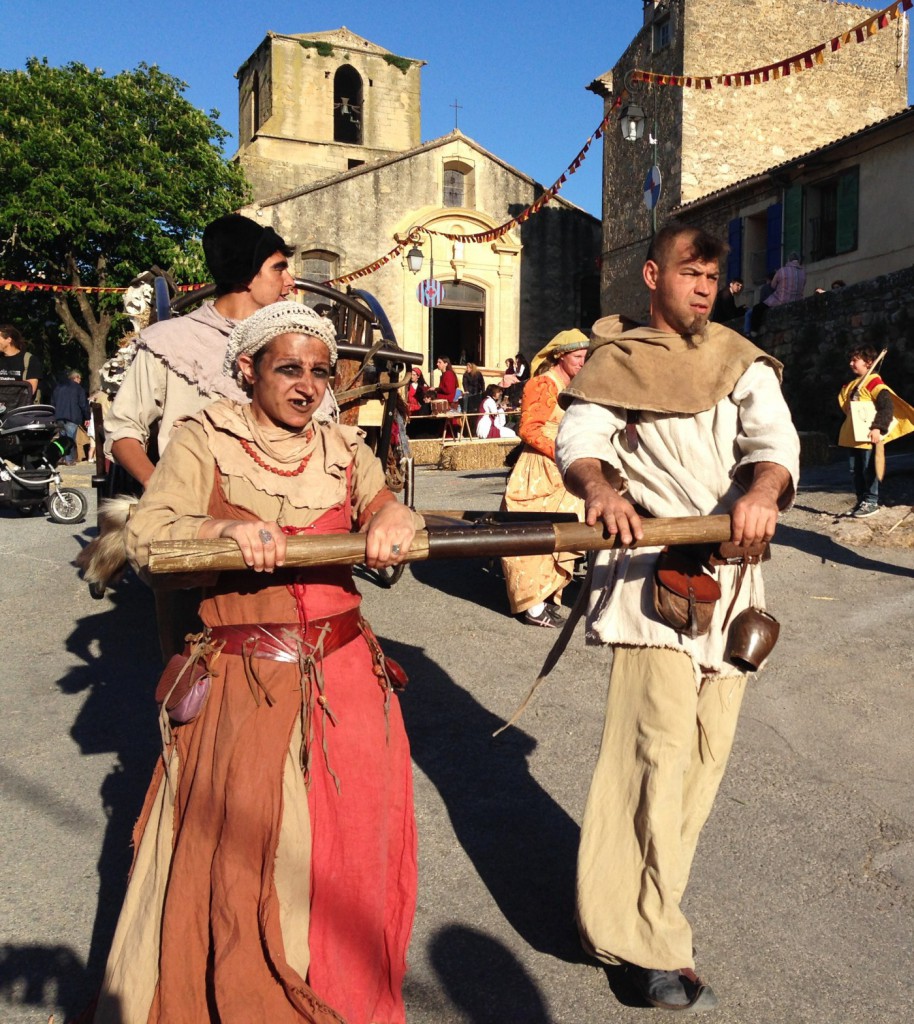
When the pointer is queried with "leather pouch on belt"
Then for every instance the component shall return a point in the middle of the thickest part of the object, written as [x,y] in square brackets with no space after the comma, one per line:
[684,593]
[183,687]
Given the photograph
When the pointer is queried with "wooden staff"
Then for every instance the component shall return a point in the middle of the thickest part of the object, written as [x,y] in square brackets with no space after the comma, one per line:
[448,542]
[879,460]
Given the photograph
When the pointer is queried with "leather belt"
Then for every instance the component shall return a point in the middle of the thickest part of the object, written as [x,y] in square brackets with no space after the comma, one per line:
[286,641]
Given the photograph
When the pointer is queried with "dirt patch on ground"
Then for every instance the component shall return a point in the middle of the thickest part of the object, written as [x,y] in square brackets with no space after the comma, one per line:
[889,528]
[826,498]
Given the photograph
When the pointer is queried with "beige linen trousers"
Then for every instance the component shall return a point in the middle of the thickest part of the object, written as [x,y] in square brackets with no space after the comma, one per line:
[664,750]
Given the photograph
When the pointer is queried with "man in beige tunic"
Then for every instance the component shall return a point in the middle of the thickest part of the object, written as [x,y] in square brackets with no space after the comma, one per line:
[177,370]
[677,418]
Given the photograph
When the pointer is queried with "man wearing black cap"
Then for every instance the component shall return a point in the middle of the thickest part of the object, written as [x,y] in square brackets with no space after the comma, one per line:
[177,371]
[178,366]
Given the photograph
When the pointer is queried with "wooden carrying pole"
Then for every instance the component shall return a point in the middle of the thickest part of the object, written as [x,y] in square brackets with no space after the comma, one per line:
[473,542]
[879,447]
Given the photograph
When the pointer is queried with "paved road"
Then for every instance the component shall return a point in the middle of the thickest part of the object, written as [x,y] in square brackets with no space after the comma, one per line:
[803,889]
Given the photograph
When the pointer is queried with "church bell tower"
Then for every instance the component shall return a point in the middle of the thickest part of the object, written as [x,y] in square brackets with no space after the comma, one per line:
[312,106]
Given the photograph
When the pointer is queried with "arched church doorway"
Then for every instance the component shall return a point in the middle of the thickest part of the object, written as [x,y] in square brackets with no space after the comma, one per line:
[460,324]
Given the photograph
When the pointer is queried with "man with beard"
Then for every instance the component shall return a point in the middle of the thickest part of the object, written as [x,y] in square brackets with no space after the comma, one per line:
[681,417]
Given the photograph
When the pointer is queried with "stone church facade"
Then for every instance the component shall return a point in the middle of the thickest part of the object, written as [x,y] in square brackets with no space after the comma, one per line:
[330,140]
[706,140]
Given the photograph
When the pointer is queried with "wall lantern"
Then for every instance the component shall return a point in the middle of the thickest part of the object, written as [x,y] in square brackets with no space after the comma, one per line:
[414,259]
[631,122]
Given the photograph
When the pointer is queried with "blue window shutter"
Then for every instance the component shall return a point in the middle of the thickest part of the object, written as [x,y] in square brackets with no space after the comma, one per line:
[793,220]
[774,214]
[735,241]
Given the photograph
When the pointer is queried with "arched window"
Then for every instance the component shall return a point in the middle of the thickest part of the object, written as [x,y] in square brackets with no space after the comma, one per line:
[453,187]
[317,265]
[255,103]
[347,105]
[457,184]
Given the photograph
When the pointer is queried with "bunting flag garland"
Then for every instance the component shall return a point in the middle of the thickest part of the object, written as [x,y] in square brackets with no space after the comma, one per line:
[483,236]
[795,64]
[492,233]
[371,267]
[40,286]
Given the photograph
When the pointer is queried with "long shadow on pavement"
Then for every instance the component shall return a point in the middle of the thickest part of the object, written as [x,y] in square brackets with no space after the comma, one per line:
[521,842]
[483,978]
[821,546]
[42,976]
[121,663]
[476,580]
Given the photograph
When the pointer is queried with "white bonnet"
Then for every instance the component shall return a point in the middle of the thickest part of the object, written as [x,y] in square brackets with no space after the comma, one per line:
[251,335]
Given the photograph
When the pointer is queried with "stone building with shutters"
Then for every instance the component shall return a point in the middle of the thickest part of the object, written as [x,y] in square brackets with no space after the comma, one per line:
[329,131]
[704,141]
[845,207]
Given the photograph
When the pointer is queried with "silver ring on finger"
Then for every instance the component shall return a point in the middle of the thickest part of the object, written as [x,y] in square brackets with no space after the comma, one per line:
[265,536]
[395,549]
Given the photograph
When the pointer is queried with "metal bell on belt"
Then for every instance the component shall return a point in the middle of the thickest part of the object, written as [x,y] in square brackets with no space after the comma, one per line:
[753,634]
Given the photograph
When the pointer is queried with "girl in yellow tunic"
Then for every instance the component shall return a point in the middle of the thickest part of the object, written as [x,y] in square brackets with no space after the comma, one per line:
[535,582]
[893,418]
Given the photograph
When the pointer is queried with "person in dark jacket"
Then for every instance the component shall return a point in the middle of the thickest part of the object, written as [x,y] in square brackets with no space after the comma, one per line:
[71,406]
[725,308]
[474,386]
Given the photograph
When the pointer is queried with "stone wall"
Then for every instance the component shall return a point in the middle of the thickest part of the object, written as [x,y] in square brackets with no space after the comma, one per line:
[708,139]
[811,338]
[626,220]
[559,285]
[732,133]
[531,277]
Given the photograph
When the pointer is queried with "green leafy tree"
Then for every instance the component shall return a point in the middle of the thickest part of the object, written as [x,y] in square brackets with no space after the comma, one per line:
[104,177]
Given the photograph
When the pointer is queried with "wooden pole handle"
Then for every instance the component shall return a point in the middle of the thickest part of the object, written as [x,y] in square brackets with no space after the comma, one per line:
[180,556]
[879,460]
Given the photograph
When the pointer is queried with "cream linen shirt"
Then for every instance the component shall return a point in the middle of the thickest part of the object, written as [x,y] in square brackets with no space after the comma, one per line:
[684,465]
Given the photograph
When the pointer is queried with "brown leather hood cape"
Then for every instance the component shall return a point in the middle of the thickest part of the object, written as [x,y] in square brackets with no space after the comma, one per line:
[632,366]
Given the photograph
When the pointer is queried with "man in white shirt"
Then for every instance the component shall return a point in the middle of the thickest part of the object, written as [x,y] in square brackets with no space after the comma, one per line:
[681,417]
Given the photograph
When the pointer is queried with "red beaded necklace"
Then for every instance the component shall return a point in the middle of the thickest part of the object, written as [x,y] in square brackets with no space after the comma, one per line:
[272,469]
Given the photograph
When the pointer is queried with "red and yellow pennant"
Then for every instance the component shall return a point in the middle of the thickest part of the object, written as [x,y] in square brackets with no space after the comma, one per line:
[491,234]
[43,286]
[369,268]
[794,64]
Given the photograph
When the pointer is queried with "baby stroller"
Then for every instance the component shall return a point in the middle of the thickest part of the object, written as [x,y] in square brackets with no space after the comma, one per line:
[30,449]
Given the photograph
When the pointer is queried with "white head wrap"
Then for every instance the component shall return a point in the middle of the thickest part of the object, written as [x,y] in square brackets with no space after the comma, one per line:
[255,333]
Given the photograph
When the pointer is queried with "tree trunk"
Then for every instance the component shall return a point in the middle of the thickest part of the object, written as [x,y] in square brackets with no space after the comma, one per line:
[91,329]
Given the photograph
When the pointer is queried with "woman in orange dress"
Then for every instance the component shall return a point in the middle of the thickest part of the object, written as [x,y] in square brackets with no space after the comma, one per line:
[535,582]
[274,876]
